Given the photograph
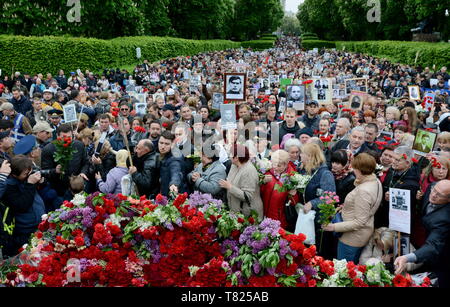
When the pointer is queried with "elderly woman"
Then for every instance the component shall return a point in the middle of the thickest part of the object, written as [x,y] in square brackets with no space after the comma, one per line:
[359,210]
[293,148]
[343,173]
[206,176]
[273,200]
[242,183]
[113,184]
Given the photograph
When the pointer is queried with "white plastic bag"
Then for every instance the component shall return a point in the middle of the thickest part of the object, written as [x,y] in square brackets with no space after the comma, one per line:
[305,225]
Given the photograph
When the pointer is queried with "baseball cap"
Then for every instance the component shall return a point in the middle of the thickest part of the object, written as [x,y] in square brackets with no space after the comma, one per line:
[6,106]
[48,91]
[25,145]
[42,126]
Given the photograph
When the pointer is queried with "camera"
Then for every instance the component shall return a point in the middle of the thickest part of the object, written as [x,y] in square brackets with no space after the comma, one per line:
[44,173]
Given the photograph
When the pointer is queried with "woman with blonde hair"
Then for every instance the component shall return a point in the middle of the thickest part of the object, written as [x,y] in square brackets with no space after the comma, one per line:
[443,141]
[392,115]
[380,247]
[274,201]
[359,210]
[314,164]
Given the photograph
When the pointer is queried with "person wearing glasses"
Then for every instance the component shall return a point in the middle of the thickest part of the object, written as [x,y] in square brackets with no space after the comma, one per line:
[436,220]
[125,110]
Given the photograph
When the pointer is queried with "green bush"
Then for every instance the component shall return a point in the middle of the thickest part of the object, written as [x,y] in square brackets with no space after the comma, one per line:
[260,44]
[311,44]
[403,52]
[49,54]
[309,36]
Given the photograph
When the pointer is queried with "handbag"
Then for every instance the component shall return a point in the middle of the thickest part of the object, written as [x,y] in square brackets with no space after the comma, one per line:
[291,215]
[337,219]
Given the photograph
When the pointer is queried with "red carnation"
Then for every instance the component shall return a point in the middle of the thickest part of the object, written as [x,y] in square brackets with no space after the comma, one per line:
[79,241]
[307,82]
[39,235]
[387,138]
[359,283]
[415,160]
[165,125]
[241,220]
[251,220]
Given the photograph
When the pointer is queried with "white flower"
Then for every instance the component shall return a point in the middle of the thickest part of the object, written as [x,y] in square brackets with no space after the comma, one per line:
[79,199]
[44,217]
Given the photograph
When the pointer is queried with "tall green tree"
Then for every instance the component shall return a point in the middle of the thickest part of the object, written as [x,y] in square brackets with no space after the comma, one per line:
[290,25]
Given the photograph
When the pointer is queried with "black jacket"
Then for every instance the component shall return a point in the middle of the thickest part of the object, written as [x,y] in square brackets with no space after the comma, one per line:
[436,250]
[345,186]
[147,176]
[408,181]
[23,105]
[172,174]
[77,165]
[284,129]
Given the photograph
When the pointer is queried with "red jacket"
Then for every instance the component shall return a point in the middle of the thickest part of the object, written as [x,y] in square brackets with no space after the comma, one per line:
[274,201]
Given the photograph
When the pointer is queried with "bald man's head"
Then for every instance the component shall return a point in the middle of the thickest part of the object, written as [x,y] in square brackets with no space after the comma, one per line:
[440,195]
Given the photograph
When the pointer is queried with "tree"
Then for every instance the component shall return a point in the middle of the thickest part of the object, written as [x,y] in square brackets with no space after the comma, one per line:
[290,25]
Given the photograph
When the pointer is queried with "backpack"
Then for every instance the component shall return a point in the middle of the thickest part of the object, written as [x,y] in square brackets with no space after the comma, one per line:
[7,225]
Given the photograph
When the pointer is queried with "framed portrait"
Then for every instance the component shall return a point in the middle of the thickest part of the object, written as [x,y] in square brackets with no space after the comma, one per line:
[193,87]
[405,245]
[414,93]
[274,79]
[429,100]
[296,97]
[217,101]
[235,84]
[322,91]
[228,116]
[434,82]
[264,83]
[398,92]
[141,109]
[424,142]
[142,98]
[158,95]
[357,100]
[70,113]
[187,75]
[359,84]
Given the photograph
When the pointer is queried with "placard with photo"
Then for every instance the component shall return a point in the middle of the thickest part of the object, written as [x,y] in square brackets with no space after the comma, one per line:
[429,100]
[424,142]
[70,113]
[228,116]
[400,210]
[296,97]
[235,85]
[358,84]
[158,96]
[141,109]
[217,101]
[434,82]
[357,100]
[398,92]
[414,93]
[274,79]
[322,91]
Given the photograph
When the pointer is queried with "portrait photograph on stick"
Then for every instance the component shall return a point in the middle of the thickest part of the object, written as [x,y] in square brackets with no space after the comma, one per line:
[296,97]
[414,93]
[424,142]
[235,84]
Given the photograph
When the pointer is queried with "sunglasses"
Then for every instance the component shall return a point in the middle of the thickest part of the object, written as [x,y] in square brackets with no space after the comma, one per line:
[124,109]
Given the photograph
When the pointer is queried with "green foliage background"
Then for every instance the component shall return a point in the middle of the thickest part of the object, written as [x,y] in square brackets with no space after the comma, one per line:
[50,53]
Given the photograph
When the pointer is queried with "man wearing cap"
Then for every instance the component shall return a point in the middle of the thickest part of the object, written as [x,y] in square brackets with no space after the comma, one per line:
[21,123]
[43,133]
[55,117]
[168,112]
[37,114]
[304,135]
[49,101]
[311,119]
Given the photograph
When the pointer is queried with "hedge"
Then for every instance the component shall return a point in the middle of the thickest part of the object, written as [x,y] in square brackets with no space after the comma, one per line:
[311,44]
[403,52]
[49,53]
[260,44]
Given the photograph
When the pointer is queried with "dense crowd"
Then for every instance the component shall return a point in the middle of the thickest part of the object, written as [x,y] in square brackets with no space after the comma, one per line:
[178,144]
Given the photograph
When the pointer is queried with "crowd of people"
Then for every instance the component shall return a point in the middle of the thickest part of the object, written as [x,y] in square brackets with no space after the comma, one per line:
[180,145]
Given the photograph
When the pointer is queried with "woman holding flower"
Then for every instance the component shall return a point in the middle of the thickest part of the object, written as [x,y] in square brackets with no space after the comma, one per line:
[359,210]
[275,201]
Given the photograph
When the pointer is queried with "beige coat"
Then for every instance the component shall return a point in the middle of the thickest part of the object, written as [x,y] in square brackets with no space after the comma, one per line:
[244,180]
[358,212]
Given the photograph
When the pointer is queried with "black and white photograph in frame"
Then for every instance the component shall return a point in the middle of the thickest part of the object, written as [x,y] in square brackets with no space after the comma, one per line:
[296,96]
[274,79]
[217,101]
[398,92]
[141,109]
[235,84]
[414,92]
[228,116]
[358,84]
[70,113]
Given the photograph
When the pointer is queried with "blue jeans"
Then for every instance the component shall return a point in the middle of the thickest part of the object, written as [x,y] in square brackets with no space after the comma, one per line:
[348,252]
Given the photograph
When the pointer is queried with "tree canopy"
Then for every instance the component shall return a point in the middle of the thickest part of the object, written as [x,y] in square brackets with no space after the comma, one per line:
[347,19]
[197,19]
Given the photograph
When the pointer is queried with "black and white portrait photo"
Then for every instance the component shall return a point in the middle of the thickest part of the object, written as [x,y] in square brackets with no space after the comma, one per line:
[296,97]
[141,109]
[321,95]
[217,101]
[398,92]
[228,116]
[235,87]
[70,113]
[356,102]
[414,92]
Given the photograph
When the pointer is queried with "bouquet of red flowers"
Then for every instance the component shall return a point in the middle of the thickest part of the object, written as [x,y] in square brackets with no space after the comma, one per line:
[64,152]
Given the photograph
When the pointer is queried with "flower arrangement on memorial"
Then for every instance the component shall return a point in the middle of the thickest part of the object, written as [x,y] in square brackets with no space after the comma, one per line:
[118,241]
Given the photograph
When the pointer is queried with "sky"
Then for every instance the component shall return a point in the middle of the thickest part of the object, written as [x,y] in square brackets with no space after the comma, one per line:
[292,5]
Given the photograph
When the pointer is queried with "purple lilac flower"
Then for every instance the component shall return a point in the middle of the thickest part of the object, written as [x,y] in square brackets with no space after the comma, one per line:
[284,247]
[303,279]
[256,267]
[87,242]
[162,202]
[269,226]
[232,245]
[271,271]
[169,226]
[247,234]
[211,230]
[179,222]
[84,263]
[308,270]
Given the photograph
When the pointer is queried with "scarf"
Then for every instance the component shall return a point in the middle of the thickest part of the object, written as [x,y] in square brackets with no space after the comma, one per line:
[347,168]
